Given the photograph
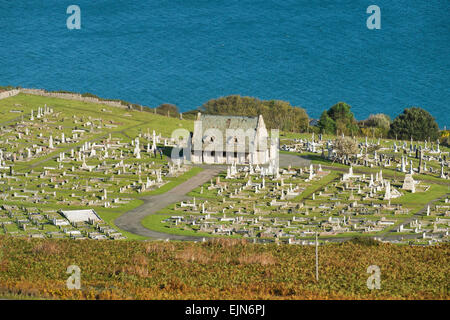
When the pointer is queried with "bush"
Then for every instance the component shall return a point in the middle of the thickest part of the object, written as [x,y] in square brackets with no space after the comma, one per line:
[364,241]
[416,123]
[345,147]
[167,109]
[8,88]
[90,95]
[377,125]
[445,138]
[379,120]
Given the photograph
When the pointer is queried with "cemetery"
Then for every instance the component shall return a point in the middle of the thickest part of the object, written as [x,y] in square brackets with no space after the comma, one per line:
[69,170]
[249,203]
[53,160]
[425,158]
[98,161]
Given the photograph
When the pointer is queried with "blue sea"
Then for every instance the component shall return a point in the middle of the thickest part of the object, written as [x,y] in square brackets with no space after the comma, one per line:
[311,53]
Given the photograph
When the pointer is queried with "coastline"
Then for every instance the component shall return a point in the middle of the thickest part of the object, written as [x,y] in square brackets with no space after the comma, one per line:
[92,98]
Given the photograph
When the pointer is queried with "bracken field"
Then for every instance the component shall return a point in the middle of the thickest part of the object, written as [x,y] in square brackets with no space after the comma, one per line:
[219,269]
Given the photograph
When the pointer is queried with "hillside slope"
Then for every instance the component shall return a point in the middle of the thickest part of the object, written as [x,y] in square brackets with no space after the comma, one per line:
[220,269]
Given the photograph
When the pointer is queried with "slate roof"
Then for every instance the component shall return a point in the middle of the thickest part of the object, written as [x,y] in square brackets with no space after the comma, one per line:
[223,123]
[228,122]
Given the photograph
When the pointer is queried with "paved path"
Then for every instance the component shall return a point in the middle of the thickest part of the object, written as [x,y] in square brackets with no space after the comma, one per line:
[131,220]
[293,160]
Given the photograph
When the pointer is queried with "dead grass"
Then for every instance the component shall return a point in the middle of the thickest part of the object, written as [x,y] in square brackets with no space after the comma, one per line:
[46,248]
[264,259]
[140,260]
[158,247]
[135,270]
[194,254]
[227,243]
[186,270]
[138,267]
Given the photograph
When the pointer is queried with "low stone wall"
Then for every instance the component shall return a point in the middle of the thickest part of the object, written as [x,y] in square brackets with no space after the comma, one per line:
[7,94]
[72,96]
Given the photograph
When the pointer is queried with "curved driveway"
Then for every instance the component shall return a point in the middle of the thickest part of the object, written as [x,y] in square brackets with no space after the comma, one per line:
[131,220]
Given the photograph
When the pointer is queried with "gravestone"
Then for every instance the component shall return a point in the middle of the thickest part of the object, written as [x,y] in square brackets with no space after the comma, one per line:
[409,184]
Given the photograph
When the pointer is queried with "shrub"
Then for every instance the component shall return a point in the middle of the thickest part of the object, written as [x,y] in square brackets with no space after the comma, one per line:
[364,241]
[416,123]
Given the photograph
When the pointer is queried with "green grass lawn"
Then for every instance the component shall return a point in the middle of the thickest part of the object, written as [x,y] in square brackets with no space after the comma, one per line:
[132,123]
[418,200]
[109,215]
[154,222]
[317,185]
[124,118]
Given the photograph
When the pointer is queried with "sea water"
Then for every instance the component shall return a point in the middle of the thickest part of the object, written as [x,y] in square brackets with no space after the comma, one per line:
[311,53]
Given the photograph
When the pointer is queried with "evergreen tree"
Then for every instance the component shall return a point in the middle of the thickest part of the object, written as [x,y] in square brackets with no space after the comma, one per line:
[344,118]
[416,123]
[326,124]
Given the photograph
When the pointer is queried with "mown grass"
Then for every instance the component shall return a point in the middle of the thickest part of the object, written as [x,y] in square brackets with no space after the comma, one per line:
[317,185]
[111,214]
[126,118]
[155,222]
[219,269]
[418,200]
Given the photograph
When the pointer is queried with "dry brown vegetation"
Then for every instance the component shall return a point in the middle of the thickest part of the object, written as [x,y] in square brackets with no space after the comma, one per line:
[46,248]
[264,259]
[220,269]
[194,254]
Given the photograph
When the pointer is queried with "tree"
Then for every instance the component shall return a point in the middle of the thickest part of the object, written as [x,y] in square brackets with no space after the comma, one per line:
[346,148]
[168,109]
[414,122]
[344,118]
[277,114]
[283,116]
[340,110]
[377,125]
[326,124]
[379,120]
